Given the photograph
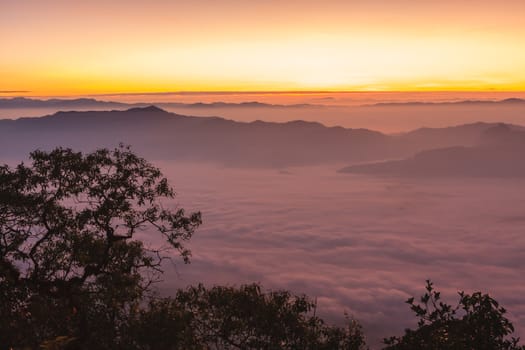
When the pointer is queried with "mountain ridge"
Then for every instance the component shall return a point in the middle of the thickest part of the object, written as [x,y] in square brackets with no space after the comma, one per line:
[511,100]
[159,134]
[498,154]
[24,102]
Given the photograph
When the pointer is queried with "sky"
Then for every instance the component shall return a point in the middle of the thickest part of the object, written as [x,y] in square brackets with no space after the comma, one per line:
[59,47]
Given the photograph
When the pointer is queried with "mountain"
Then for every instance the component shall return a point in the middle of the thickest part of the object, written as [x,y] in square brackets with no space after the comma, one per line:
[251,104]
[466,134]
[499,154]
[23,102]
[84,103]
[507,101]
[158,134]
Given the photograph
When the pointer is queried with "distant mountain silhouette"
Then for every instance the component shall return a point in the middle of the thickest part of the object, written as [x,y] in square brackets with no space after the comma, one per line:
[466,134]
[464,102]
[251,104]
[158,134]
[146,110]
[498,154]
[23,102]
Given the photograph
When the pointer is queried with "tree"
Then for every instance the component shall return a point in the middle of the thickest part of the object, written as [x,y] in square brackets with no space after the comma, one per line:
[70,265]
[73,274]
[476,322]
[238,318]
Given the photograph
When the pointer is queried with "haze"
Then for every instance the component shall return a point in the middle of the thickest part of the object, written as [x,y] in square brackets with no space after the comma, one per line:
[350,110]
[357,243]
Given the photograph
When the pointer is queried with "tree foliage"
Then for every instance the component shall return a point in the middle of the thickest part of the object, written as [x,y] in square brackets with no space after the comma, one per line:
[69,261]
[239,318]
[476,322]
[74,275]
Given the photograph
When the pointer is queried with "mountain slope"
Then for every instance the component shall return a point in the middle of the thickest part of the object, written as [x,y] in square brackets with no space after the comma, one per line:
[158,134]
[499,154]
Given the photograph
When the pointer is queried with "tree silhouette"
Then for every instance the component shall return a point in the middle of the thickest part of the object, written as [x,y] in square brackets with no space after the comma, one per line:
[239,318]
[476,322]
[69,262]
[73,274]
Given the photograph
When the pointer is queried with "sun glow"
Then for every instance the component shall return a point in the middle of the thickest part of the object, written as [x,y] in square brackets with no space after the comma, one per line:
[69,48]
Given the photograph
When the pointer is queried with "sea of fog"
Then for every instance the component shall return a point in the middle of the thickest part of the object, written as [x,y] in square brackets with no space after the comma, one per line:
[357,244]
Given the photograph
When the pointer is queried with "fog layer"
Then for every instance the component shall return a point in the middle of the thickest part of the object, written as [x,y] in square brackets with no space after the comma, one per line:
[356,243]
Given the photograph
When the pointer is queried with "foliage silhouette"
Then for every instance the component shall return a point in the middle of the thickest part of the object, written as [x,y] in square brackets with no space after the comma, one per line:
[73,275]
[69,262]
[239,318]
[476,322]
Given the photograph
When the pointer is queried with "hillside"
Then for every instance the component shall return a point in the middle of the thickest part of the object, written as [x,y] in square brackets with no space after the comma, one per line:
[498,154]
[158,134]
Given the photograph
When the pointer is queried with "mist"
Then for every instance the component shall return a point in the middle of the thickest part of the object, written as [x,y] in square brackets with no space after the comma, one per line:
[358,244]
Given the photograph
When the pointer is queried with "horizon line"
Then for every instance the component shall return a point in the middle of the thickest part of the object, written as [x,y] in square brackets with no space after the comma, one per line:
[298,92]
[269,92]
[34,94]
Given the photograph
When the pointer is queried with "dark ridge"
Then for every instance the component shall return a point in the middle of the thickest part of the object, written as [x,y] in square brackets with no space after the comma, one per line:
[476,125]
[248,104]
[498,129]
[498,153]
[156,133]
[24,102]
[513,100]
[148,109]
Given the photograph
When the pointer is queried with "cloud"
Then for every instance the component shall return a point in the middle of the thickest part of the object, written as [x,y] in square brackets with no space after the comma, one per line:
[357,244]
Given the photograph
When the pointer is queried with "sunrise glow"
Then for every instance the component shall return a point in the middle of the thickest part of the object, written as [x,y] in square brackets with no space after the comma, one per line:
[63,47]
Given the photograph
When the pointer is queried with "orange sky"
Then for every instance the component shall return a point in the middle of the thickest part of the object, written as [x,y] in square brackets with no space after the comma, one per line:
[59,47]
